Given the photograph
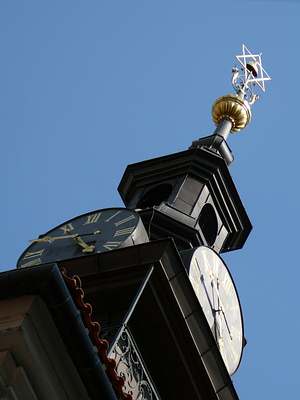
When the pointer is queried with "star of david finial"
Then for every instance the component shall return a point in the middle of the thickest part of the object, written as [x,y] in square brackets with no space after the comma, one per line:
[232,113]
[248,75]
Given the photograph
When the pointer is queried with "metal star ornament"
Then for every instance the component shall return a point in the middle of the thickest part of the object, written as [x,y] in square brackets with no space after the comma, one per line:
[232,113]
[246,59]
[248,74]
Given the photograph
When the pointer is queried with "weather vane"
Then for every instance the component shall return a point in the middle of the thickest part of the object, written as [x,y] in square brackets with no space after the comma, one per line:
[248,75]
[232,112]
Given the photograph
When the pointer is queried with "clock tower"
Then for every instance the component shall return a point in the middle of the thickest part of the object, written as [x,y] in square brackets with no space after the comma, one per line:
[150,300]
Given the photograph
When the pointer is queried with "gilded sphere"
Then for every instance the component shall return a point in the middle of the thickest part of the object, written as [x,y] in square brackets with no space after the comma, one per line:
[234,109]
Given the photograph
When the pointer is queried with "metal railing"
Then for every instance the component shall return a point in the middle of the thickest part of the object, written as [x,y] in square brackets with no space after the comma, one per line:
[130,366]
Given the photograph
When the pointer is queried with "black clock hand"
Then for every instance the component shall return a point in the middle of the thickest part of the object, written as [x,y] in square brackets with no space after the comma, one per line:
[206,292]
[218,331]
[226,323]
[216,327]
[221,309]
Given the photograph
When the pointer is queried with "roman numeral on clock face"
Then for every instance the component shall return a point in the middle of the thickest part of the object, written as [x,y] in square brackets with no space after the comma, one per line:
[125,231]
[31,263]
[113,216]
[111,245]
[67,228]
[92,218]
[124,220]
[31,254]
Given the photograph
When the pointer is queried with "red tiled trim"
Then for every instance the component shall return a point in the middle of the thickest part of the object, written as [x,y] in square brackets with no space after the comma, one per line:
[74,286]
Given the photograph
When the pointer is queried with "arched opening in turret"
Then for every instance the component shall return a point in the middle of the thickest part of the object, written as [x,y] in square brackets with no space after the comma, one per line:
[155,195]
[208,223]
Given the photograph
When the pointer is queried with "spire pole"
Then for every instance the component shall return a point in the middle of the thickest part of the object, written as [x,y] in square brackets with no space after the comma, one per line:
[223,128]
[232,113]
[247,77]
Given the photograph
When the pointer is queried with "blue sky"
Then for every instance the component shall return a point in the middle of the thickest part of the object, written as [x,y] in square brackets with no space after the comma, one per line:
[87,87]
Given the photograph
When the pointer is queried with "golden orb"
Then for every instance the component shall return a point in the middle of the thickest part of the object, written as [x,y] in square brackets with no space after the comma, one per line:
[234,109]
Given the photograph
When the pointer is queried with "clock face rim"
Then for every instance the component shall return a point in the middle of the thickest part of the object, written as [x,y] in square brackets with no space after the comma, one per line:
[45,259]
[193,261]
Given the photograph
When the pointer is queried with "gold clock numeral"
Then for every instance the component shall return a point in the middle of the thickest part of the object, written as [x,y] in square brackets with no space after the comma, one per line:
[124,231]
[31,254]
[31,263]
[67,228]
[92,218]
[113,216]
[111,245]
[124,220]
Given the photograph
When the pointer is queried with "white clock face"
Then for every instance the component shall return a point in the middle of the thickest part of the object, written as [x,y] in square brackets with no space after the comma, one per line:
[217,295]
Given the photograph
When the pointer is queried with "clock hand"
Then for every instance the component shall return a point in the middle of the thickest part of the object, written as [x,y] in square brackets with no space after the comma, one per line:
[217,325]
[221,308]
[218,321]
[50,239]
[226,323]
[206,291]
[87,248]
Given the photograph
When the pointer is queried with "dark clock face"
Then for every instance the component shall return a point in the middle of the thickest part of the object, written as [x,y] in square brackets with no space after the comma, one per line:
[217,295]
[94,232]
